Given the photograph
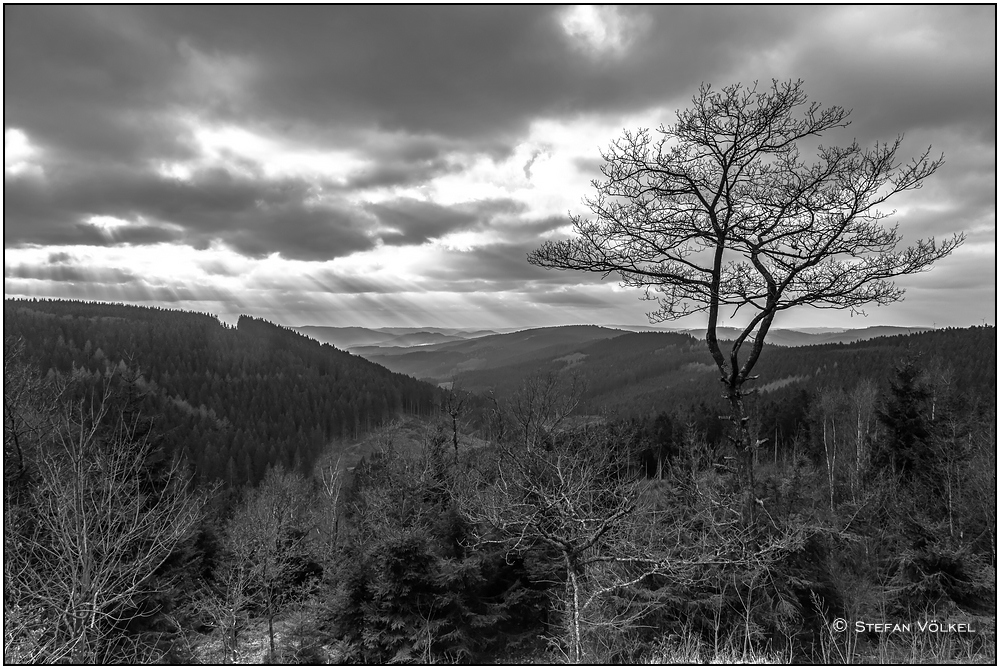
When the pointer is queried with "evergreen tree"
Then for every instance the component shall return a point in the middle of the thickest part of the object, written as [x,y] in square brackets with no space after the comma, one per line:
[905,448]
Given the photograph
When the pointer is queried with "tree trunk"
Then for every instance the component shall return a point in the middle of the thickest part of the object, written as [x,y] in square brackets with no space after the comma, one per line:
[270,631]
[744,449]
[576,650]
[831,460]
[857,458]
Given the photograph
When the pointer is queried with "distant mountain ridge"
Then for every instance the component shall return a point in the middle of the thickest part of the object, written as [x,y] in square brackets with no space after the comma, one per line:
[394,340]
[348,338]
[438,354]
[638,373]
[440,362]
[783,337]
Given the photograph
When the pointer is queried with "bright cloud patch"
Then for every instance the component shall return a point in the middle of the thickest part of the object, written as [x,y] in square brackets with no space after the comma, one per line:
[600,30]
[107,222]
[18,153]
[255,154]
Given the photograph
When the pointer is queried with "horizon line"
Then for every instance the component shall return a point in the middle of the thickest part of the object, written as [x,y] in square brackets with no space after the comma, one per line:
[509,328]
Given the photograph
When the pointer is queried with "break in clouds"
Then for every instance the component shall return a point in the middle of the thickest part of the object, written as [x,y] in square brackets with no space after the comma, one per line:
[394,165]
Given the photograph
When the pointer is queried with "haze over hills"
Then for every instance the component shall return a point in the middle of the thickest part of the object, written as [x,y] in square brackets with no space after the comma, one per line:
[440,362]
[438,354]
[348,338]
[367,341]
[813,336]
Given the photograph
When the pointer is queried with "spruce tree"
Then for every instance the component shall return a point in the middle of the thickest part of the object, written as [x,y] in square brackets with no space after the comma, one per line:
[906,448]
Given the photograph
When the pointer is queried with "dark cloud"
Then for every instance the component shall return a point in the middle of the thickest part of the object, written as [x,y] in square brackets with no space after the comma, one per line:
[476,73]
[70,274]
[399,174]
[300,232]
[107,84]
[400,160]
[131,235]
[99,80]
[933,70]
[407,221]
[112,290]
[60,257]
[573,298]
[218,268]
[332,282]
[533,230]
[91,82]
[422,70]
[255,216]
[498,266]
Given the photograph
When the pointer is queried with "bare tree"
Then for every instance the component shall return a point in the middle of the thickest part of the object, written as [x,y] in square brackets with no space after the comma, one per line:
[454,405]
[31,406]
[267,545]
[862,400]
[329,472]
[830,406]
[226,600]
[535,411]
[573,498]
[572,493]
[100,529]
[721,211]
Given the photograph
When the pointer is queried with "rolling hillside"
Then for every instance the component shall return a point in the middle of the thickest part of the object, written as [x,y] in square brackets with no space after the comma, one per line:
[234,400]
[641,373]
[440,362]
[783,337]
[348,338]
[437,354]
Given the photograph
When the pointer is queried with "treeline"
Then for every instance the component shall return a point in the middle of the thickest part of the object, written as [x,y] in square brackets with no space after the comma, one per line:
[233,401]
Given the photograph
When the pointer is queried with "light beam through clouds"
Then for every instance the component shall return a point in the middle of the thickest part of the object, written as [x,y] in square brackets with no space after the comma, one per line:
[382,166]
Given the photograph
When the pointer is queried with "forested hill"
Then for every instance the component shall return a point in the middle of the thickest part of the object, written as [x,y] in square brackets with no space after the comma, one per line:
[649,372]
[234,400]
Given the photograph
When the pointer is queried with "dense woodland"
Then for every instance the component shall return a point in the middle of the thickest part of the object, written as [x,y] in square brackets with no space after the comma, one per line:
[233,401]
[645,373]
[177,490]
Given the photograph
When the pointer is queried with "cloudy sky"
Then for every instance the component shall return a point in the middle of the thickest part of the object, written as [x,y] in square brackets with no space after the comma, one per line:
[382,166]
